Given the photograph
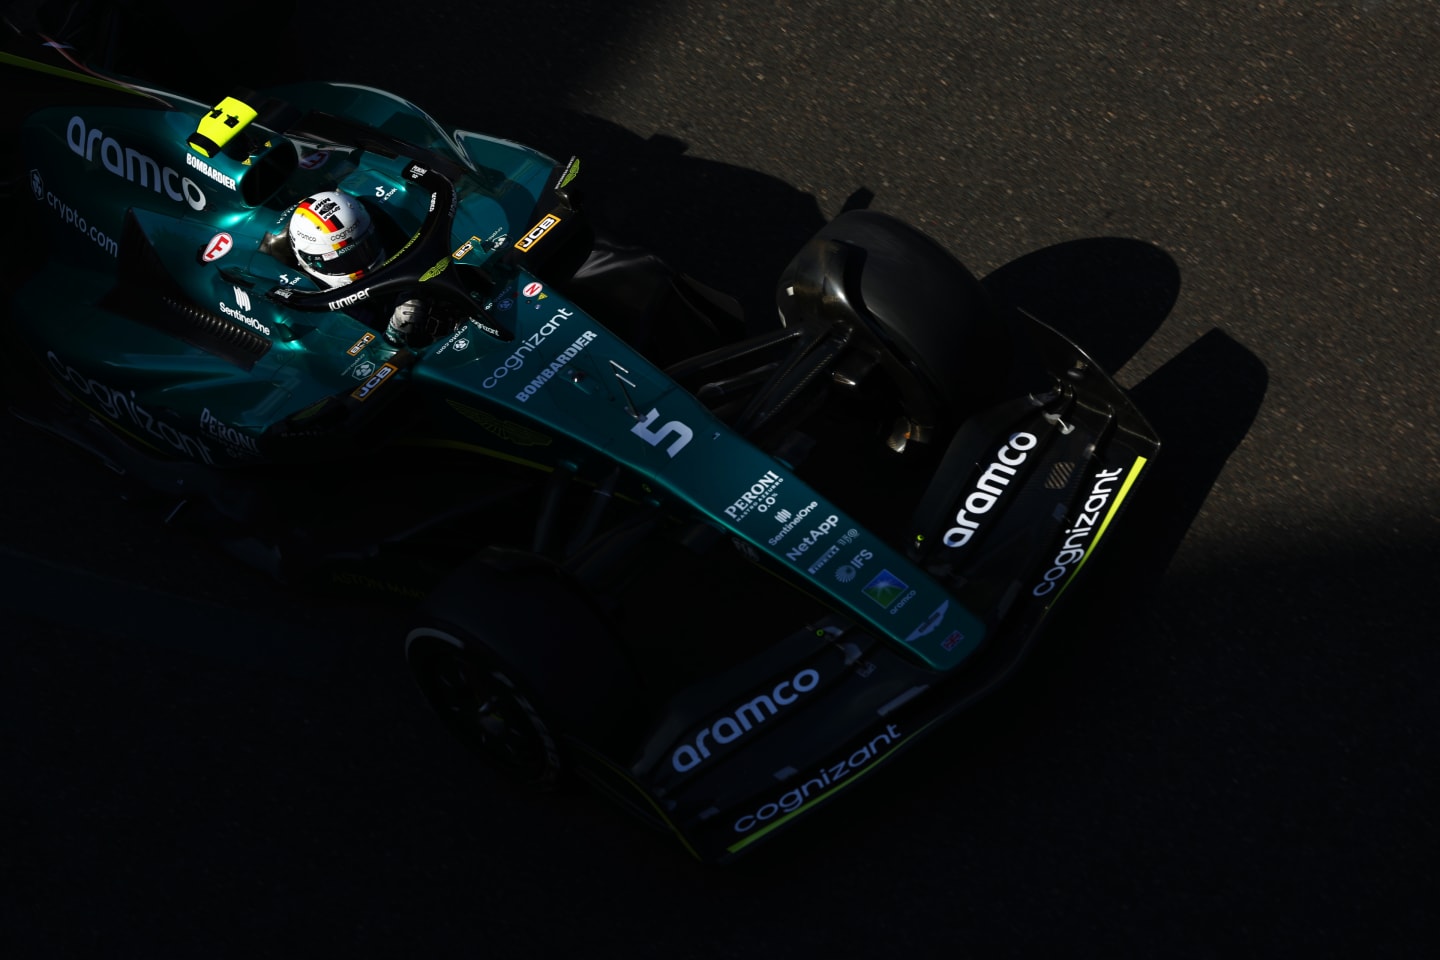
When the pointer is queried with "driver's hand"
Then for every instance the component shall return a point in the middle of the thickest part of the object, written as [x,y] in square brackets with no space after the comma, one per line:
[408,324]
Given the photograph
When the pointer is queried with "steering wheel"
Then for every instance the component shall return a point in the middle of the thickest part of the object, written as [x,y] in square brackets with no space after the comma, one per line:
[422,264]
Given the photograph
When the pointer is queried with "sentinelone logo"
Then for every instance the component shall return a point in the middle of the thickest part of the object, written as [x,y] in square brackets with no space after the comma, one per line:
[130,164]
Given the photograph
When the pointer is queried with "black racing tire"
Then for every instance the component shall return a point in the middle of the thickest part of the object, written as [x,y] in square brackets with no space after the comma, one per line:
[942,337]
[521,667]
[478,698]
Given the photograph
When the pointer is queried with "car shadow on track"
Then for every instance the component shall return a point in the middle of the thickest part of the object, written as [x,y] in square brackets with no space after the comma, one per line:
[1110,295]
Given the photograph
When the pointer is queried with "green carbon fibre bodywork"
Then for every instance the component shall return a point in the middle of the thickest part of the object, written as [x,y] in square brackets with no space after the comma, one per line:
[607,403]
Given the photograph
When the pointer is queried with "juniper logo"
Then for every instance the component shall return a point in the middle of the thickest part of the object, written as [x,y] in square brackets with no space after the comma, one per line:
[349,301]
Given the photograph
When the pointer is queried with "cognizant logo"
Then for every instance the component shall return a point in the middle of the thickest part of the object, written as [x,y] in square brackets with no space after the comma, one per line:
[127,413]
[1078,535]
[516,360]
[746,717]
[822,781]
[130,164]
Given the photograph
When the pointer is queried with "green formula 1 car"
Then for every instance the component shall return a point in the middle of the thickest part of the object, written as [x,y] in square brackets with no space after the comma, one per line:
[719,569]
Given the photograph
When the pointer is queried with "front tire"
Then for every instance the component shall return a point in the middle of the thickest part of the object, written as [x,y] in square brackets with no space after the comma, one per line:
[522,668]
[475,695]
[926,318]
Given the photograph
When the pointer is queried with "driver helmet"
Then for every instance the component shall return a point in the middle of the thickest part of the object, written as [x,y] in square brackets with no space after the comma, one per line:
[333,238]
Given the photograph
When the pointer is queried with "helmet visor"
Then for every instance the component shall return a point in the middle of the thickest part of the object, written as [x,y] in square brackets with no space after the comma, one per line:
[349,258]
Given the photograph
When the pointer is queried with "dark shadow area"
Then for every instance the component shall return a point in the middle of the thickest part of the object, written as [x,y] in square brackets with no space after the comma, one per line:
[731,228]
[1257,776]
[1108,294]
[1252,773]
[1249,760]
[545,46]
[1202,402]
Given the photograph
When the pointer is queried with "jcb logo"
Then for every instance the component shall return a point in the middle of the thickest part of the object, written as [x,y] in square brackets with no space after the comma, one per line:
[531,238]
[365,389]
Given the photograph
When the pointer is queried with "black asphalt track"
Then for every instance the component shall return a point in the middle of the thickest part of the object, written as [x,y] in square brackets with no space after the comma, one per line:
[1230,751]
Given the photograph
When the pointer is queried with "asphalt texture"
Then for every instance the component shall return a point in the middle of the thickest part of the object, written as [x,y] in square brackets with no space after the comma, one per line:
[1230,751]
